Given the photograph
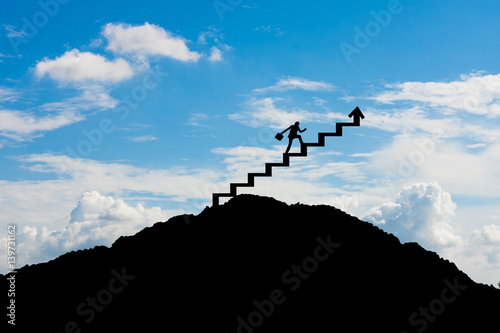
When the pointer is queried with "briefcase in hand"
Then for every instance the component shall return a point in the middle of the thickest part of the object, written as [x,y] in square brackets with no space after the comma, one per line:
[279,136]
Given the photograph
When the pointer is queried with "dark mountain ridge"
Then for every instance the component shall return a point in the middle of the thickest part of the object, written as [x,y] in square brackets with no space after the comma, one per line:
[254,264]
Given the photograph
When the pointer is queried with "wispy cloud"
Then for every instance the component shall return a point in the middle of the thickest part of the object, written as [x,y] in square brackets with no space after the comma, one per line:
[197,119]
[476,145]
[293,83]
[212,34]
[144,138]
[92,97]
[9,94]
[269,29]
[22,126]
[13,32]
[5,56]
[216,37]
[25,125]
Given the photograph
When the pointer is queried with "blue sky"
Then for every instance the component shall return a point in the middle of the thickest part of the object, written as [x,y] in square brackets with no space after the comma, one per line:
[115,116]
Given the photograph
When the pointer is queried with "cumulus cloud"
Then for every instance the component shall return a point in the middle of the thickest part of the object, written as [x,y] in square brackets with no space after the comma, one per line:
[474,93]
[96,220]
[147,39]
[478,256]
[488,234]
[347,203]
[421,212]
[76,66]
[293,83]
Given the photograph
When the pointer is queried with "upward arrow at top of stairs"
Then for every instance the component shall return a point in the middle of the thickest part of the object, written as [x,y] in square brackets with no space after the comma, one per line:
[356,114]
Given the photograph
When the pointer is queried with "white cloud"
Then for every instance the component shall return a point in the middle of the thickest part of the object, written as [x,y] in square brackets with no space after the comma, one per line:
[264,113]
[215,54]
[96,220]
[46,204]
[476,145]
[421,212]
[319,101]
[93,96]
[13,32]
[489,234]
[196,119]
[422,158]
[410,120]
[214,36]
[21,125]
[269,29]
[25,125]
[96,42]
[442,109]
[244,159]
[474,93]
[346,203]
[293,83]
[144,138]
[1,60]
[415,120]
[211,35]
[348,171]
[76,66]
[147,39]
[463,172]
[9,94]
[24,200]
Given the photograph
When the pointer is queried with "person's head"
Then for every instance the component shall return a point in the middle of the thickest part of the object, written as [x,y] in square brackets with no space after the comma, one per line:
[297,123]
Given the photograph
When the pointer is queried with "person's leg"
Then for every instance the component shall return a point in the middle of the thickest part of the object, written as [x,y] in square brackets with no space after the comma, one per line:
[301,143]
[289,145]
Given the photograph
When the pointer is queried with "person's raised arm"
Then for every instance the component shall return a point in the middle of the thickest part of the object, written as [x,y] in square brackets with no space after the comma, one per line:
[286,129]
[302,130]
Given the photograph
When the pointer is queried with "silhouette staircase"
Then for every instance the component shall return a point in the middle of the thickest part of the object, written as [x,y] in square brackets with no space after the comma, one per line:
[356,113]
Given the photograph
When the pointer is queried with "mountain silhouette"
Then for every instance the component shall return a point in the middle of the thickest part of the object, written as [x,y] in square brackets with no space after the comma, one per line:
[254,264]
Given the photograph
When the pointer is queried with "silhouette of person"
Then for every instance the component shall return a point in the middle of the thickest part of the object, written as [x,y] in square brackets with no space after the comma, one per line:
[293,135]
